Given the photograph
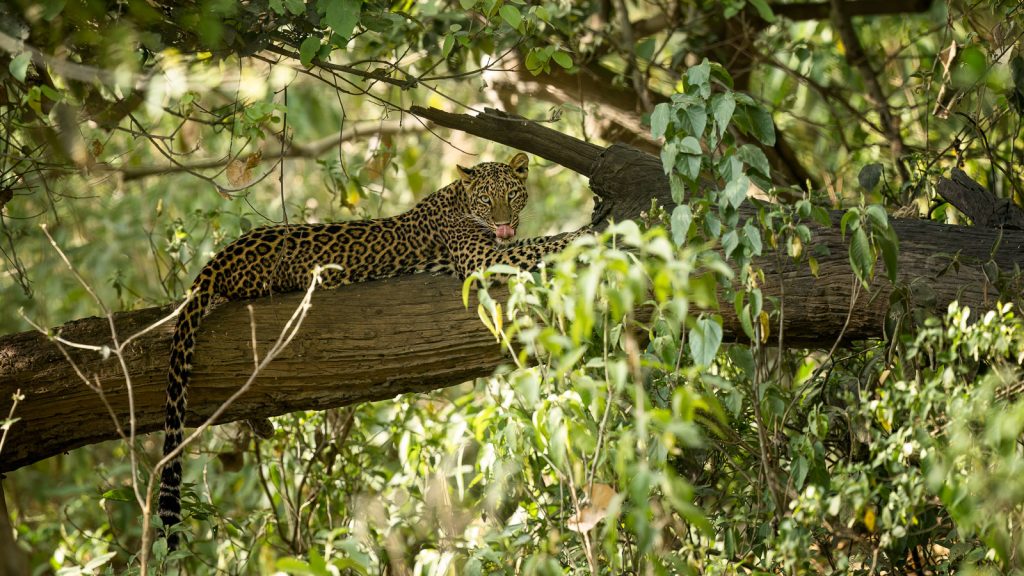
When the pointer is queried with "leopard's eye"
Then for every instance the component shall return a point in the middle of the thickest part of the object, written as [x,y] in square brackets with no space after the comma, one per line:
[486,200]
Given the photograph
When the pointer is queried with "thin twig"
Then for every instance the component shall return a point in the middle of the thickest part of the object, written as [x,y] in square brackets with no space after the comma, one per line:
[118,352]
[15,398]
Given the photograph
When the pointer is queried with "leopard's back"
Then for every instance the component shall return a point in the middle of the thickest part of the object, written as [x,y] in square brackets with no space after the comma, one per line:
[282,258]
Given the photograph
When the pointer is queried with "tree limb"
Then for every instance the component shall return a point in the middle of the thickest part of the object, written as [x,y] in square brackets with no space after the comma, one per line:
[374,340]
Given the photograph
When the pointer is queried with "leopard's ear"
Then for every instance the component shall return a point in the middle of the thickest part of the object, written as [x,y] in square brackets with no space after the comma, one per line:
[465,174]
[520,164]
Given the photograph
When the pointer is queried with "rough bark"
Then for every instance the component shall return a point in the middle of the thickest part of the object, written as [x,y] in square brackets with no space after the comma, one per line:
[981,206]
[375,340]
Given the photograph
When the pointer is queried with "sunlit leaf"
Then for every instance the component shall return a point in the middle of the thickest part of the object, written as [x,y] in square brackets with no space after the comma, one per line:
[308,50]
[705,341]
[659,122]
[341,15]
[510,14]
[724,106]
[19,66]
[763,10]
[682,217]
[561,58]
[862,260]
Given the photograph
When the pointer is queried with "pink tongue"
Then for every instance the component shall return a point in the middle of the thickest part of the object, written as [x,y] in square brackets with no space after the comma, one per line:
[504,231]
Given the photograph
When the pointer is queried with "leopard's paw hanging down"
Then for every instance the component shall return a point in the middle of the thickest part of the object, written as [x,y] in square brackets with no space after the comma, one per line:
[466,226]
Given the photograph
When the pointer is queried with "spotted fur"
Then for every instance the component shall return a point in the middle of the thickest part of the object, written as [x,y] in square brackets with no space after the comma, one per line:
[457,229]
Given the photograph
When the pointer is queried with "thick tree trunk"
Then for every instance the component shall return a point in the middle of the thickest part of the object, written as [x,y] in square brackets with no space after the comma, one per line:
[378,339]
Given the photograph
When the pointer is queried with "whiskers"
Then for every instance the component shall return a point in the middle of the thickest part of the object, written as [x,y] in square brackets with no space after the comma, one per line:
[488,226]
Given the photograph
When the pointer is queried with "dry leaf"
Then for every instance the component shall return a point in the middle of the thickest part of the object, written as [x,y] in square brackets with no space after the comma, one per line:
[600,496]
[240,173]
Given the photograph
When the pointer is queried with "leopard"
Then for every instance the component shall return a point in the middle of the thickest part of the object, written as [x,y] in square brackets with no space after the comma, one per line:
[466,226]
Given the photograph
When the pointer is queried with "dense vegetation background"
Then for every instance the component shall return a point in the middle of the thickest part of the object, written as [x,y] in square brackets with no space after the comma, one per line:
[144,135]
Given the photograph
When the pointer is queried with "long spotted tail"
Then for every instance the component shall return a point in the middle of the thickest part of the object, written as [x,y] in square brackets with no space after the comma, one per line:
[183,345]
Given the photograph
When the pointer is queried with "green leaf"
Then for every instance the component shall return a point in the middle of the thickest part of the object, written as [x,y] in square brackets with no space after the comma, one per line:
[449,43]
[563,59]
[746,318]
[973,66]
[293,566]
[536,60]
[698,118]
[692,165]
[308,49]
[51,9]
[98,561]
[889,243]
[763,10]
[645,49]
[668,156]
[510,14]
[877,216]
[861,257]
[753,156]
[659,120]
[762,125]
[296,7]
[690,145]
[120,495]
[718,71]
[743,358]
[349,564]
[753,235]
[712,225]
[730,241]
[736,191]
[467,4]
[317,563]
[690,148]
[179,555]
[799,472]
[341,15]
[678,187]
[821,215]
[851,219]
[682,217]
[724,106]
[705,341]
[869,175]
[19,66]
[699,76]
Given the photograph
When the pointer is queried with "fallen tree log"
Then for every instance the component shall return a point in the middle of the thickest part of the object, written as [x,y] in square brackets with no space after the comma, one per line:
[378,339]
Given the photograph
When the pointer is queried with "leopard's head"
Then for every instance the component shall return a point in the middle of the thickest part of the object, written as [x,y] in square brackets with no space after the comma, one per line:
[496,194]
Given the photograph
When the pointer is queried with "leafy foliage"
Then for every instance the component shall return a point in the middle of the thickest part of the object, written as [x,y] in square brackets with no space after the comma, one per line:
[628,433]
